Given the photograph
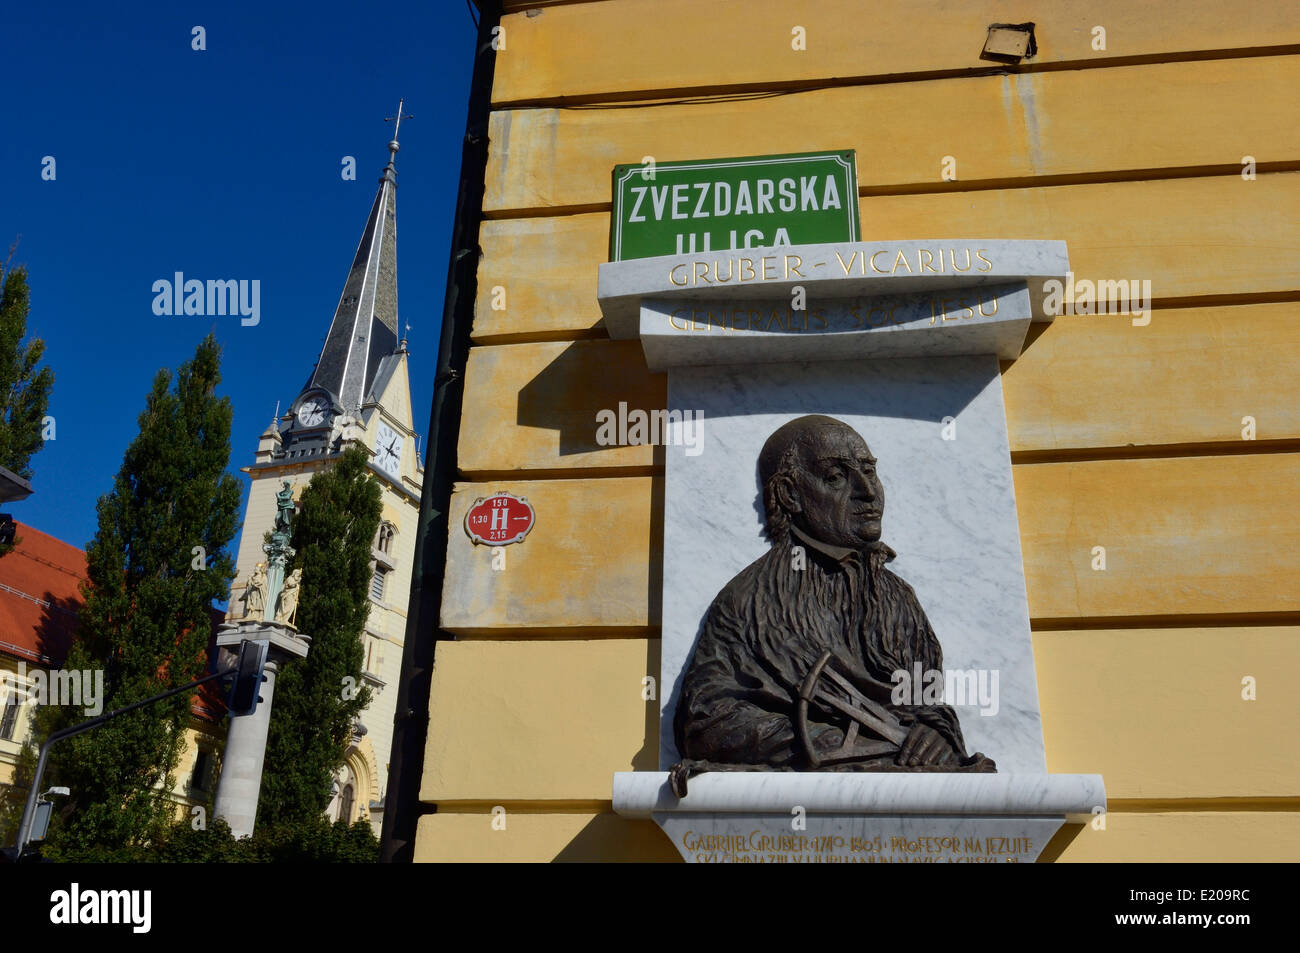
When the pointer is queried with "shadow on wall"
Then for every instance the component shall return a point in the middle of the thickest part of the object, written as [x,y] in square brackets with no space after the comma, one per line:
[1059,842]
[57,627]
[608,838]
[587,377]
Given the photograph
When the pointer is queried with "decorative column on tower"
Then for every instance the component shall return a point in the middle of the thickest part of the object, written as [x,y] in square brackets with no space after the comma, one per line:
[270,605]
[278,552]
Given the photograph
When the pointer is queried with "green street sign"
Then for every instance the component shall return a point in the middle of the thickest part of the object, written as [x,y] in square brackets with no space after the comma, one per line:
[674,208]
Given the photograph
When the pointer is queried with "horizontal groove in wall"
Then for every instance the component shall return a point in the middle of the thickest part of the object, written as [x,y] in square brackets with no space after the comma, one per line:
[1074,178]
[1130,805]
[527,807]
[639,633]
[1086,623]
[974,185]
[579,473]
[1228,300]
[1226,805]
[543,211]
[1175,303]
[1224,448]
[542,337]
[670,96]
[519,6]
[1190,621]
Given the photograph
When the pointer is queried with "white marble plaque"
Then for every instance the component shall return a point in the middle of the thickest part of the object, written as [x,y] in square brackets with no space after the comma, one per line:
[857,839]
[901,341]
[950,514]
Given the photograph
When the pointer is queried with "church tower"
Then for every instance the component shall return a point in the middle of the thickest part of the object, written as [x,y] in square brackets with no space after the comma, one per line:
[358,393]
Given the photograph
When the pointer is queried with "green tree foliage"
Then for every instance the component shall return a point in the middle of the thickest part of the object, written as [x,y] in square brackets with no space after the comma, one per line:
[24,391]
[310,842]
[319,698]
[147,614]
[14,796]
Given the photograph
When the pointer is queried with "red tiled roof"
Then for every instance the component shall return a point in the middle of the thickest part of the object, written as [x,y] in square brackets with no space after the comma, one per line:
[39,600]
[39,597]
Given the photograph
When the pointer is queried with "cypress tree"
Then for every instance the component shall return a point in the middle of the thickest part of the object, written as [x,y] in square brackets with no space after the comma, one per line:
[156,564]
[318,699]
[24,391]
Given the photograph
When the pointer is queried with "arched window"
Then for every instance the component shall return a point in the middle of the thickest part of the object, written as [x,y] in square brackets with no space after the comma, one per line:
[201,774]
[384,539]
[347,800]
[9,721]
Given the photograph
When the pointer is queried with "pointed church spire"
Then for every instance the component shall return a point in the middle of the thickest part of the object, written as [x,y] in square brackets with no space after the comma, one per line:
[364,329]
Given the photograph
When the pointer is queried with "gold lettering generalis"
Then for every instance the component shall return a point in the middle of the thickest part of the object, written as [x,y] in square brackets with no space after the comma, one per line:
[857,316]
[721,270]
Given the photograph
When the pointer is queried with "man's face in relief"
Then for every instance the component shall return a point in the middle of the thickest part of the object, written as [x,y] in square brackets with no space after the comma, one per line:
[839,497]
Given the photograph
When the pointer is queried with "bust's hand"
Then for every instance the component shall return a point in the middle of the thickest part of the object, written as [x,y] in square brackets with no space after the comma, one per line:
[924,745]
[826,738]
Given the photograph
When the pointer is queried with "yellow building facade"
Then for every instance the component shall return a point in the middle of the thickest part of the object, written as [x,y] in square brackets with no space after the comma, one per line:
[1156,140]
[39,601]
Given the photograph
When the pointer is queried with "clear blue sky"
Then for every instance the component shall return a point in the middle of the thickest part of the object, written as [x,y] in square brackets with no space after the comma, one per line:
[223,163]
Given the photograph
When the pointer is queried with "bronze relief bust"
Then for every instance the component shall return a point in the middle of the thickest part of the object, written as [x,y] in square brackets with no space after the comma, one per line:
[795,665]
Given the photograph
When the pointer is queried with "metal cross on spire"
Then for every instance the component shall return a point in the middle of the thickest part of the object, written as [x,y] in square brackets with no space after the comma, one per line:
[397,120]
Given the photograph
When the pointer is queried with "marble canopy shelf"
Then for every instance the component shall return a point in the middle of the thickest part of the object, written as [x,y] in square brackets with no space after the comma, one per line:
[1075,797]
[843,271]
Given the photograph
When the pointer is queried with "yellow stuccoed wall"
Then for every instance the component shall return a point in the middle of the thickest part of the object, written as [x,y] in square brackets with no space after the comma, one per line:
[1121,436]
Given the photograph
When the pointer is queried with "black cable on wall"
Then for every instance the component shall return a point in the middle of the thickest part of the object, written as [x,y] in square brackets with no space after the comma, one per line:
[402,808]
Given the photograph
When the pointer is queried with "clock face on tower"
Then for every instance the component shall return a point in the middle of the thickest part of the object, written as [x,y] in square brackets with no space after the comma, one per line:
[388,450]
[313,412]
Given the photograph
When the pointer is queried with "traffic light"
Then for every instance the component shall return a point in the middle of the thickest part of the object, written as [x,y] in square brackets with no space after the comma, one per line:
[244,691]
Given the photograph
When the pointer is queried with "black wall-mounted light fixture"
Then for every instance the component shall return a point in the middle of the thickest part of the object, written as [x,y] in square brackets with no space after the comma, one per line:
[1009,43]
